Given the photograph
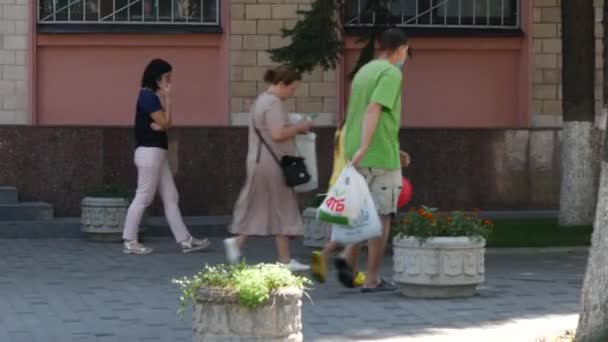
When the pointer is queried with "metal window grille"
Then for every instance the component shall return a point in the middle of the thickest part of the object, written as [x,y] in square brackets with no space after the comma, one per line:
[166,12]
[479,14]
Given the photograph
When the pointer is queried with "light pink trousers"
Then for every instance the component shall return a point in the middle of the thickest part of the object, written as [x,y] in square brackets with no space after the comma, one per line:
[153,173]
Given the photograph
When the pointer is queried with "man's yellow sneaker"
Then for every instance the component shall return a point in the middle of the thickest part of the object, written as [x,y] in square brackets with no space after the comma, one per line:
[359,279]
[318,267]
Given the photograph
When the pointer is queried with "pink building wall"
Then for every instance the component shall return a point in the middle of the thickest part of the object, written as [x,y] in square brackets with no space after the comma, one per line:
[462,82]
[93,79]
[450,82]
[103,89]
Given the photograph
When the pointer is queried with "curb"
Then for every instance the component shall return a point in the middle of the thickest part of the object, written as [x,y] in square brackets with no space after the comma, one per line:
[69,228]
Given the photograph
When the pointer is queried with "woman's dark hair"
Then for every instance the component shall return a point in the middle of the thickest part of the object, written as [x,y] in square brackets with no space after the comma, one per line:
[392,39]
[282,74]
[153,73]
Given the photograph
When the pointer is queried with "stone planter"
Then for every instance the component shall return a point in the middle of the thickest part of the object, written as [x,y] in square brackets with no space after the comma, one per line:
[103,218]
[218,316]
[316,233]
[440,267]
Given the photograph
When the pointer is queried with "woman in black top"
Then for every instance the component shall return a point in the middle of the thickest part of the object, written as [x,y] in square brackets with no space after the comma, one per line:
[152,120]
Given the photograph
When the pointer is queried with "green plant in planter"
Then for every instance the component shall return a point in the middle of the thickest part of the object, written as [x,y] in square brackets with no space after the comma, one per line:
[111,191]
[426,222]
[252,283]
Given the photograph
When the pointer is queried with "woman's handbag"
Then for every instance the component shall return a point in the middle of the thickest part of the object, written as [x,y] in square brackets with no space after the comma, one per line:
[293,167]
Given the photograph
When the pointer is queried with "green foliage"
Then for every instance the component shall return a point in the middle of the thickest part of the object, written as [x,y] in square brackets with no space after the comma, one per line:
[112,191]
[315,39]
[537,233]
[252,283]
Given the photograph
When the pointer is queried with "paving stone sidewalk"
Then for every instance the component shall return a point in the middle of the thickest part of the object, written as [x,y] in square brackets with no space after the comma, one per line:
[71,290]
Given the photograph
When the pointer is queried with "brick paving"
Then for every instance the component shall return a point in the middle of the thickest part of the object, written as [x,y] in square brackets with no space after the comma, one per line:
[72,290]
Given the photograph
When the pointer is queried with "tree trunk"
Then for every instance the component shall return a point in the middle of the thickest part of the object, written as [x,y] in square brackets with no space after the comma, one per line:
[593,321]
[578,184]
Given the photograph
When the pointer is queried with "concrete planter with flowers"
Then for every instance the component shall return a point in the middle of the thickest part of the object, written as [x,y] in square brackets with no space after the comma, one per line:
[316,232]
[439,255]
[259,302]
[103,213]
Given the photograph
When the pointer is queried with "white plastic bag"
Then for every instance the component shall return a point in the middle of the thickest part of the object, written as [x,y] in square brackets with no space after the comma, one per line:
[366,226]
[344,201]
[294,118]
[307,149]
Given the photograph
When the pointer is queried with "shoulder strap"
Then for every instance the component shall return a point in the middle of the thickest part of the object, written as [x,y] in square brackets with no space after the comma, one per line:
[257,131]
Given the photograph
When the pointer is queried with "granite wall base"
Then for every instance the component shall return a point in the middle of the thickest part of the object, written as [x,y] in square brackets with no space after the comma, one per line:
[451,169]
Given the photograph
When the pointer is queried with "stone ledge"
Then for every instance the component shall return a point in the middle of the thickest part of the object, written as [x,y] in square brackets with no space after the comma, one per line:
[323,120]
[69,228]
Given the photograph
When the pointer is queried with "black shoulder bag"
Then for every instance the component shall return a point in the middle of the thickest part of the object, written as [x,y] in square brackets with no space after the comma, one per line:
[293,167]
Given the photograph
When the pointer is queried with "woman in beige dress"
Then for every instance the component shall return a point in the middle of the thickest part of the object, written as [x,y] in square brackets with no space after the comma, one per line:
[266,205]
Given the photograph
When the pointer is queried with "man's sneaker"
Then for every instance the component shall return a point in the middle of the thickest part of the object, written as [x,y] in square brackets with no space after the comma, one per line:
[346,277]
[295,266]
[193,245]
[134,247]
[233,253]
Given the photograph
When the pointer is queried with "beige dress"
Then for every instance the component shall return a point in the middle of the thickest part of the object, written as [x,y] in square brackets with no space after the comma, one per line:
[266,206]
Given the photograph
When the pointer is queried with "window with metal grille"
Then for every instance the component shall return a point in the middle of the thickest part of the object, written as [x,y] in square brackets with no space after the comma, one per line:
[480,14]
[129,12]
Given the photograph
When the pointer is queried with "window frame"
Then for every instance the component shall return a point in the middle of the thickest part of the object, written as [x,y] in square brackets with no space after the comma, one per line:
[449,30]
[136,27]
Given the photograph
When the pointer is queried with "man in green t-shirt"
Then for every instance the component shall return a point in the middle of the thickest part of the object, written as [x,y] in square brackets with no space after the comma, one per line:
[371,141]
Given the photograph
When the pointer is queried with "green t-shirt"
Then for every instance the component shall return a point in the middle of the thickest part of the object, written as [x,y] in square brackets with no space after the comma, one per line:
[378,81]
